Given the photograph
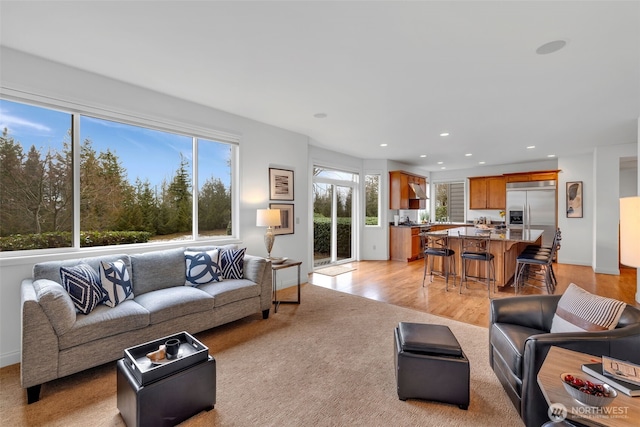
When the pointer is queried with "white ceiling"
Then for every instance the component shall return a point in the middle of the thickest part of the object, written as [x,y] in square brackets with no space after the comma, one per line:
[390,72]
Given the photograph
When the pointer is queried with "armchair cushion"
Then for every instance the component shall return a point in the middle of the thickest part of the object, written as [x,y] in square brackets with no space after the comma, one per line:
[581,311]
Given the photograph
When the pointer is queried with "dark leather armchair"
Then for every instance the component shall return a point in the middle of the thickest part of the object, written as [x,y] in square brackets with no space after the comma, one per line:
[519,340]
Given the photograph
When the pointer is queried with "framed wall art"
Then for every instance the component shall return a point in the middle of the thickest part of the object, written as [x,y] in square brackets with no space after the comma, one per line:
[280,184]
[574,199]
[286,218]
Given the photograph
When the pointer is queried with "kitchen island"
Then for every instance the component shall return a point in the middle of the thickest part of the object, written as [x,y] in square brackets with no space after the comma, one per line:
[506,245]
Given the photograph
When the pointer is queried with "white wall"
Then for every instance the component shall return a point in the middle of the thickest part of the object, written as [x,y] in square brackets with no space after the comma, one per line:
[629,182]
[577,233]
[606,179]
[261,146]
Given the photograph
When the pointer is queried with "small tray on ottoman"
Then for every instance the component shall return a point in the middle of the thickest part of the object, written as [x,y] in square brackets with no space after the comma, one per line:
[145,371]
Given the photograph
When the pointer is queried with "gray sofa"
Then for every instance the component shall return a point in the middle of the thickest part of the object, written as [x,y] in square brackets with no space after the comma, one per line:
[56,341]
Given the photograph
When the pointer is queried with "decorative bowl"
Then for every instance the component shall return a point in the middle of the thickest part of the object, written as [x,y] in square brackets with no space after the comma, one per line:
[607,392]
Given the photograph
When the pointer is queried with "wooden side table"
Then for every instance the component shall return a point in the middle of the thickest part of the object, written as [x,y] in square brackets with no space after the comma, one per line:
[274,270]
[624,411]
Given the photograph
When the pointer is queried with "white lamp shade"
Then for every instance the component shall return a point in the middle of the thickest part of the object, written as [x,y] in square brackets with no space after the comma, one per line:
[630,231]
[268,218]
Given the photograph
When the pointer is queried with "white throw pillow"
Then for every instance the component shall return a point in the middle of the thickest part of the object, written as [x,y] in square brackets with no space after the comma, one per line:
[581,311]
[116,282]
[202,267]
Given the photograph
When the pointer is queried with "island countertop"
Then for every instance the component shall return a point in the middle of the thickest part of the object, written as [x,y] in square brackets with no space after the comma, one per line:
[505,234]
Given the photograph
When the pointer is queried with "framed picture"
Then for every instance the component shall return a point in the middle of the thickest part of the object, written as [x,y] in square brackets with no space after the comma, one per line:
[286,218]
[574,199]
[280,184]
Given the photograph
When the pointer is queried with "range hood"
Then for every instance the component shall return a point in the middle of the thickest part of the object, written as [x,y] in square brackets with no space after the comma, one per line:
[418,192]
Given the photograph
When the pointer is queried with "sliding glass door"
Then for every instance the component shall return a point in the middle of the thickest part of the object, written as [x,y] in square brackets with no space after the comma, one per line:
[333,216]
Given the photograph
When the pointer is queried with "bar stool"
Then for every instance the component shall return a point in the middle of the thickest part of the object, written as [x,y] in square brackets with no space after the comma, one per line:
[476,248]
[436,244]
[540,250]
[542,261]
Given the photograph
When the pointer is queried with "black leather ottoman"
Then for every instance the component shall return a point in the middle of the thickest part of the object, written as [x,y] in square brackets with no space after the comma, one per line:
[430,364]
[167,401]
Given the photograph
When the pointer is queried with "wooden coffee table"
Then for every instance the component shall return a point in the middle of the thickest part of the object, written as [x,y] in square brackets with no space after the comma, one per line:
[624,411]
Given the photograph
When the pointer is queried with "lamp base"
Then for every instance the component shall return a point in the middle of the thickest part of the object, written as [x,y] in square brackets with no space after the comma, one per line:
[269,238]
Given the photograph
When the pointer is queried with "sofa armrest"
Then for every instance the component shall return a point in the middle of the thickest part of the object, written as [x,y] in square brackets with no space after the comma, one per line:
[39,353]
[258,270]
[535,311]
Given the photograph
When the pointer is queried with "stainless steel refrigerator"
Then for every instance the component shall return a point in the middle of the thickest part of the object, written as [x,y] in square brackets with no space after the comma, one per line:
[533,205]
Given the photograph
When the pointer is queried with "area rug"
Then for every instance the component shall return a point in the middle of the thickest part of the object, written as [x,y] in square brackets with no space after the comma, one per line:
[325,362]
[334,270]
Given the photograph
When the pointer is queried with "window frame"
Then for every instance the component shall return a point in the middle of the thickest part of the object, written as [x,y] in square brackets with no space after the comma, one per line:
[434,206]
[76,110]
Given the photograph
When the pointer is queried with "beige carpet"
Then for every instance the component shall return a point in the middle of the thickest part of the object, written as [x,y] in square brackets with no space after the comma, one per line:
[334,270]
[326,362]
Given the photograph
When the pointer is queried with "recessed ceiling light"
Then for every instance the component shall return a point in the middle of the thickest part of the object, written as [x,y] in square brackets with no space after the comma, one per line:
[320,115]
[531,147]
[551,155]
[440,163]
[444,134]
[481,163]
[443,167]
[468,155]
[423,155]
[551,47]
[383,145]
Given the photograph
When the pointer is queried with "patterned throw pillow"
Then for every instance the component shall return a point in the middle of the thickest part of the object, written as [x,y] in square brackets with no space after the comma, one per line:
[82,283]
[580,311]
[232,263]
[116,281]
[202,267]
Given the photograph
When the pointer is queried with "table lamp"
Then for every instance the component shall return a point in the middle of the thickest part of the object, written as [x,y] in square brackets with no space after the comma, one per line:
[268,218]
[630,231]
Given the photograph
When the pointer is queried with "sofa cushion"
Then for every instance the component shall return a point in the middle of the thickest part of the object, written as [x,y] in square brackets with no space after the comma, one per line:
[169,303]
[116,282]
[157,270]
[83,285]
[231,290]
[51,269]
[202,267]
[509,340]
[56,304]
[581,311]
[231,263]
[105,322]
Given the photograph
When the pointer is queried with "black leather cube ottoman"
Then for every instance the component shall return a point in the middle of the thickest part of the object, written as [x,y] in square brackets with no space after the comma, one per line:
[430,364]
[169,400]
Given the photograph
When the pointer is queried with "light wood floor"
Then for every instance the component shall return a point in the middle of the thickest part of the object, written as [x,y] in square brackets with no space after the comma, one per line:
[400,283]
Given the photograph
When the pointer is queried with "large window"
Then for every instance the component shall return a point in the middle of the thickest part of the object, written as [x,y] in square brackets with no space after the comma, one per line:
[449,202]
[136,183]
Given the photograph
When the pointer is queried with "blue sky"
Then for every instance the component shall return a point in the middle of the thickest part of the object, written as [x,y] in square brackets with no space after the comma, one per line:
[144,153]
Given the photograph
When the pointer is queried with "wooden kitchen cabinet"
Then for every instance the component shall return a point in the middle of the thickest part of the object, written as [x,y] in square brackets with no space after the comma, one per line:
[405,243]
[532,176]
[496,192]
[400,195]
[487,192]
